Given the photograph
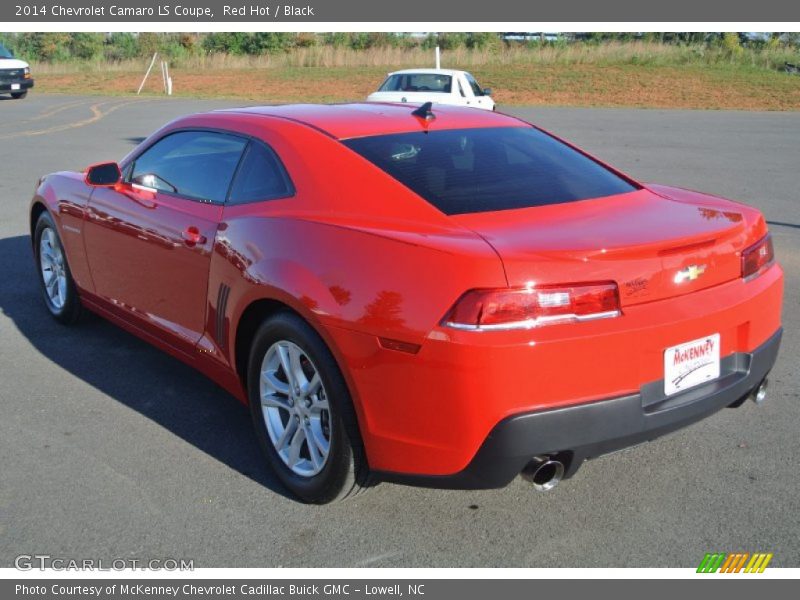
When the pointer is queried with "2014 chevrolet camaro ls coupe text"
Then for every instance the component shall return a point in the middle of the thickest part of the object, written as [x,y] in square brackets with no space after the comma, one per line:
[446,297]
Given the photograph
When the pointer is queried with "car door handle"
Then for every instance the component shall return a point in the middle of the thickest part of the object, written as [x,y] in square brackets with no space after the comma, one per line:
[191,235]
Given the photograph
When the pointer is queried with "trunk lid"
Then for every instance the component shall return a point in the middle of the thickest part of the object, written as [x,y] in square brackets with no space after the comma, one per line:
[653,246]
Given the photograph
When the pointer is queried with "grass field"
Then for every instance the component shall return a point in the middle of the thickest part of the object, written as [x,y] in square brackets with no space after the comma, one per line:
[615,75]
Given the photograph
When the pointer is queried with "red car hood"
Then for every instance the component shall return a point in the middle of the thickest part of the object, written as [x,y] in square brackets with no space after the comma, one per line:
[641,240]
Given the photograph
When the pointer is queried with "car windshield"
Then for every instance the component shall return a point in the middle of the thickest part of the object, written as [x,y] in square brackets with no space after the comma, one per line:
[417,82]
[5,52]
[488,169]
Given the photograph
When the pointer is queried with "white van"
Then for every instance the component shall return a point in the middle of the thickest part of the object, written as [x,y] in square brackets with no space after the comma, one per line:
[15,75]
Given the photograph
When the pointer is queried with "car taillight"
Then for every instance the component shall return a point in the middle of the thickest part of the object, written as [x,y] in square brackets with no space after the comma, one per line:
[757,257]
[522,308]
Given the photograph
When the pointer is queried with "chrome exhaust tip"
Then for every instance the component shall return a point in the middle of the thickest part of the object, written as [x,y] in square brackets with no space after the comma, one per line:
[760,393]
[544,473]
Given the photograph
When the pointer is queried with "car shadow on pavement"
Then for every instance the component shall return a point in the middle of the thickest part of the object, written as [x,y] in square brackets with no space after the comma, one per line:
[132,372]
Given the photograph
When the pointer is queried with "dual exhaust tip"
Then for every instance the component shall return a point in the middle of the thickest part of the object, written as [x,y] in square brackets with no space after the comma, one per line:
[543,472]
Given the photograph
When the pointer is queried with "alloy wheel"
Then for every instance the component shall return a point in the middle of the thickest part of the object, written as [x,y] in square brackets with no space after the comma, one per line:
[295,408]
[53,268]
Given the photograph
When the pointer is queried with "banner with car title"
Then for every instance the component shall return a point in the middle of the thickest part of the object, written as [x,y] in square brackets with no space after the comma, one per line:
[354,11]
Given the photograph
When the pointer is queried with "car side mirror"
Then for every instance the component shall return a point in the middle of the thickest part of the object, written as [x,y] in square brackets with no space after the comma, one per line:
[487,92]
[103,174]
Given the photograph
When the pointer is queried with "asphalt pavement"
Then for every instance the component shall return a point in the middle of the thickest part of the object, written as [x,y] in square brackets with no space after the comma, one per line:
[111,449]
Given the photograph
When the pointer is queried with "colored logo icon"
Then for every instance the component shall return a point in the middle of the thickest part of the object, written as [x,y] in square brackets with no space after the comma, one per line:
[740,562]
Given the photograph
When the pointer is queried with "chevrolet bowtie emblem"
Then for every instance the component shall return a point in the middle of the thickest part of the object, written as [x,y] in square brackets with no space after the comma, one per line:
[690,273]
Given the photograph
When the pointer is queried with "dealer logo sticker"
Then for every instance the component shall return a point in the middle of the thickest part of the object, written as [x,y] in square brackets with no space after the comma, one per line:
[691,364]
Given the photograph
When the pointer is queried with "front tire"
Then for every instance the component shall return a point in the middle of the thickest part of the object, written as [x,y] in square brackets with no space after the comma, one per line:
[58,287]
[302,412]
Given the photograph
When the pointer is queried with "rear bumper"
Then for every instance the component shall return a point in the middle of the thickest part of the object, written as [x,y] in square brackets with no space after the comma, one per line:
[430,413]
[24,86]
[590,430]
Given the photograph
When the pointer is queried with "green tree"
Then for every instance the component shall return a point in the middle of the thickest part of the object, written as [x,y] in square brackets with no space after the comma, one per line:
[49,47]
[338,39]
[268,42]
[305,40]
[121,46]
[451,41]
[484,41]
[359,41]
[147,43]
[86,46]
[731,43]
[226,42]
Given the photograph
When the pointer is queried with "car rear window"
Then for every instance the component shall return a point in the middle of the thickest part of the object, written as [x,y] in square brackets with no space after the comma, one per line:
[260,176]
[418,82]
[488,169]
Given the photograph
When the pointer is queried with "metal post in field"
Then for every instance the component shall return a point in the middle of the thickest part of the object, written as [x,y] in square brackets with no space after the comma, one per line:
[152,62]
[169,79]
[438,58]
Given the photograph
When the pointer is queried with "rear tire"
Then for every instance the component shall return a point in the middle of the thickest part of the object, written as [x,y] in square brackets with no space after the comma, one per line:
[303,413]
[19,95]
[58,287]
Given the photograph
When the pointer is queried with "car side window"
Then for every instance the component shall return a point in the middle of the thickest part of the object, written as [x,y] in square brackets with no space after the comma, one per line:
[261,176]
[476,89]
[195,164]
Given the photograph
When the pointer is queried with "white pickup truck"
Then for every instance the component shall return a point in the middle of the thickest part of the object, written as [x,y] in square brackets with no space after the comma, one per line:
[15,75]
[440,86]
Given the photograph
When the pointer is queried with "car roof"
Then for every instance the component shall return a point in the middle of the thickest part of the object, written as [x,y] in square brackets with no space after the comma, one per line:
[362,119]
[427,72]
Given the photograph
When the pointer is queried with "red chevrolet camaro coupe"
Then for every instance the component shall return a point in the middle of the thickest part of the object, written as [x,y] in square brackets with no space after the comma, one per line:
[445,297]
